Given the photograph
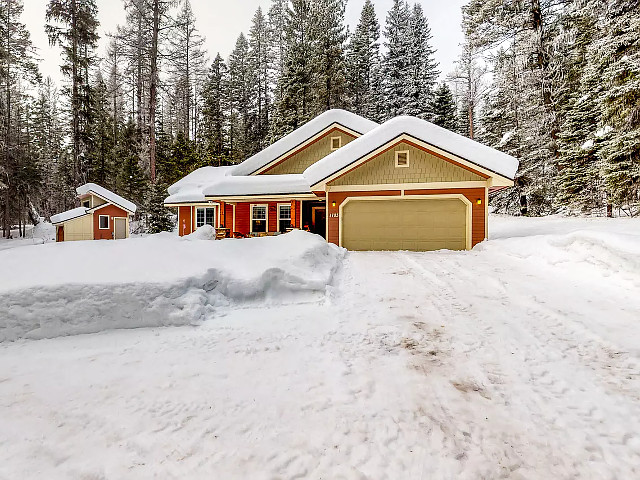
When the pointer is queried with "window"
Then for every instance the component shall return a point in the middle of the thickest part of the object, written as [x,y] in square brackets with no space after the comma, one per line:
[284,218]
[103,222]
[402,159]
[336,143]
[86,204]
[205,216]
[258,218]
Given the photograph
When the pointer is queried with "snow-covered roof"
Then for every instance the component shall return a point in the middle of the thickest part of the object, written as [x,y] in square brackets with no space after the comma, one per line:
[258,185]
[299,136]
[69,215]
[190,188]
[463,147]
[107,195]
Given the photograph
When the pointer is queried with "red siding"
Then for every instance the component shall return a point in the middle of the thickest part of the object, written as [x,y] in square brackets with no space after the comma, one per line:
[112,211]
[243,218]
[228,214]
[478,212]
[272,225]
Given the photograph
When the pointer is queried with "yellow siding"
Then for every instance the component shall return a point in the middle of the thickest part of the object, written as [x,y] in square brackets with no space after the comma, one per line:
[80,228]
[423,168]
[299,162]
[96,201]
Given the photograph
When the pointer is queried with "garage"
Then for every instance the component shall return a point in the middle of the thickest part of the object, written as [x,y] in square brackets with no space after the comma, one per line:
[402,223]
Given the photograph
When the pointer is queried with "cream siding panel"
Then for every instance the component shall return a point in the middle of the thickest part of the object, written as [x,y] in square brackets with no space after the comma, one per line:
[299,162]
[423,168]
[96,201]
[80,228]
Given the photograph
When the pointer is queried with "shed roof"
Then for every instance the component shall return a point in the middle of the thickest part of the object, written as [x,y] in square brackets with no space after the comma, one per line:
[69,215]
[107,195]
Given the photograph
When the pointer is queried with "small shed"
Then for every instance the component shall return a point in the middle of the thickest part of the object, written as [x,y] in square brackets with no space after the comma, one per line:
[102,215]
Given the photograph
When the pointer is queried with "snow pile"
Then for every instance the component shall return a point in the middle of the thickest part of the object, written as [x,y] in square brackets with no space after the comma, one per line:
[82,287]
[258,185]
[44,231]
[189,188]
[205,232]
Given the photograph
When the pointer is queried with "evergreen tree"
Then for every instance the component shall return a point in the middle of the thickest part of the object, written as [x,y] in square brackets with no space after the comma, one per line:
[242,102]
[158,217]
[422,66]
[397,68]
[619,54]
[260,58]
[363,66]
[131,181]
[295,105]
[329,35]
[277,20]
[214,117]
[73,25]
[443,108]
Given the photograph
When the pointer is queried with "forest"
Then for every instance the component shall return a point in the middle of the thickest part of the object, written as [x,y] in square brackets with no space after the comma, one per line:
[555,83]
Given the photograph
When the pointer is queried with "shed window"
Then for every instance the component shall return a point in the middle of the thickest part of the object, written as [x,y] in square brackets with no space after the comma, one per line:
[205,216]
[284,218]
[103,222]
[86,204]
[258,219]
[402,159]
[336,143]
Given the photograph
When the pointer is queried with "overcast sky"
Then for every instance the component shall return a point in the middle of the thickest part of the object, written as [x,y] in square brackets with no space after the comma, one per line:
[221,21]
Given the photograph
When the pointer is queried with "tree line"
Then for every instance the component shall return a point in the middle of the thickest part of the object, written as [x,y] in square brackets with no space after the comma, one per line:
[154,107]
[563,96]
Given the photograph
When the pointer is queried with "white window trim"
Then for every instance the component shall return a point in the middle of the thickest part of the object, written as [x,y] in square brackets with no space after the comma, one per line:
[195,217]
[108,222]
[279,218]
[339,143]
[266,219]
[405,152]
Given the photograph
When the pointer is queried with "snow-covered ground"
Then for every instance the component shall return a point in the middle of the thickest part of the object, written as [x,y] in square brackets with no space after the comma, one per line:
[520,359]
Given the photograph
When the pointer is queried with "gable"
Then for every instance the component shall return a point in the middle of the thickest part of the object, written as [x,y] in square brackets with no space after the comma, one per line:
[299,161]
[424,167]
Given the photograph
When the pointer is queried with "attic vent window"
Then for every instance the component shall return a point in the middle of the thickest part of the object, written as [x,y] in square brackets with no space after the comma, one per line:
[402,159]
[86,204]
[336,143]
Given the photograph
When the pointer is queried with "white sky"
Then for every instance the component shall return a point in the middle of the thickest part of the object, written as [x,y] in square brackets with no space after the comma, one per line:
[221,21]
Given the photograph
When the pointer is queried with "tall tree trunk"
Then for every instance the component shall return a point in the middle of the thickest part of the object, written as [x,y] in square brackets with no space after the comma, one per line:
[153,90]
[74,93]
[7,138]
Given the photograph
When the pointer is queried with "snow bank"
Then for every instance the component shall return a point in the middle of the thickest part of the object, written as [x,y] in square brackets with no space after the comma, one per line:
[205,232]
[83,287]
[189,188]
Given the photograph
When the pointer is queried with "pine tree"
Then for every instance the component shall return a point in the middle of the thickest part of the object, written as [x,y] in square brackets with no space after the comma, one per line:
[242,102]
[363,66]
[214,116]
[260,59]
[100,139]
[443,108]
[422,66]
[277,21]
[329,35]
[619,54]
[73,25]
[295,106]
[397,68]
[158,217]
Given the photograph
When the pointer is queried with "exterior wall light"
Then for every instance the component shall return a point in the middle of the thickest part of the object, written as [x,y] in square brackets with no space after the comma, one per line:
[479,201]
[333,204]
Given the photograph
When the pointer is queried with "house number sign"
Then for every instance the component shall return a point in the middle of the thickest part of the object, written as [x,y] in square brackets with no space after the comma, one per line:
[334,215]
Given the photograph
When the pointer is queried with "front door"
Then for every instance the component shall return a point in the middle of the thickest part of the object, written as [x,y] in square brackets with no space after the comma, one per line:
[319,221]
[119,228]
[60,233]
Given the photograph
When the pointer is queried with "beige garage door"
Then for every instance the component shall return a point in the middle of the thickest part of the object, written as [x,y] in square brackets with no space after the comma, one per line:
[407,224]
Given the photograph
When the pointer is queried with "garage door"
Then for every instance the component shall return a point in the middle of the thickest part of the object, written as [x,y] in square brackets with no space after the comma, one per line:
[407,224]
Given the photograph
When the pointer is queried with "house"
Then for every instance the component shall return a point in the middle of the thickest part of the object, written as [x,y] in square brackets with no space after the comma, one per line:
[406,184]
[103,215]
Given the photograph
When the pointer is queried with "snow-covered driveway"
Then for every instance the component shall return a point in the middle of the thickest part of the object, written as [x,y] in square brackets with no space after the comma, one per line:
[520,359]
